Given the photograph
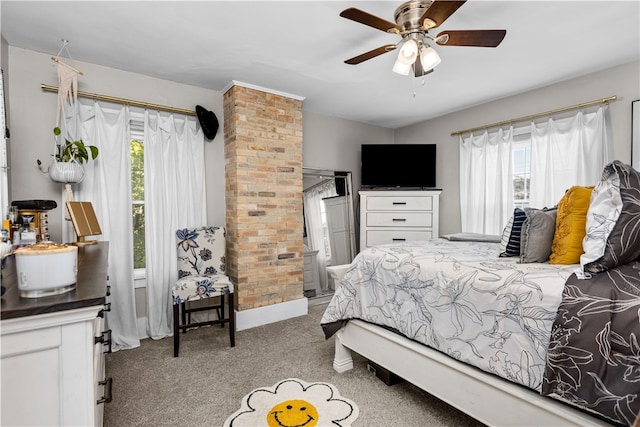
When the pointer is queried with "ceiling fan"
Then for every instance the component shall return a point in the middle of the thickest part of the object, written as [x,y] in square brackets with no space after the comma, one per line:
[414,19]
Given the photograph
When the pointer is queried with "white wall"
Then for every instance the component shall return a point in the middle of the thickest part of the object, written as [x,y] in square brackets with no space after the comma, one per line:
[623,81]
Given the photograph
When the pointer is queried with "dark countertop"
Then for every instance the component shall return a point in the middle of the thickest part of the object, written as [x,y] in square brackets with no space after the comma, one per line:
[91,287]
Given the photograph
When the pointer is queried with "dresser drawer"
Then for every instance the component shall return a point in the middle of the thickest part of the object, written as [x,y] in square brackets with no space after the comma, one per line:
[399,203]
[380,237]
[399,219]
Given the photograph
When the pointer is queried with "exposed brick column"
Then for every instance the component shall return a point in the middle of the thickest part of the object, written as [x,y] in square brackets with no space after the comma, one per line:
[263,174]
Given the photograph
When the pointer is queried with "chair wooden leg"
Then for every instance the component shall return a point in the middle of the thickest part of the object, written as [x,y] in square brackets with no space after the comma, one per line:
[221,312]
[184,314]
[176,329]
[232,321]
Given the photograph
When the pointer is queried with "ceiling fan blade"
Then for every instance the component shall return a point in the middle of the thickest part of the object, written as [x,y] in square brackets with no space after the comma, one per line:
[476,38]
[438,12]
[418,70]
[371,54]
[370,20]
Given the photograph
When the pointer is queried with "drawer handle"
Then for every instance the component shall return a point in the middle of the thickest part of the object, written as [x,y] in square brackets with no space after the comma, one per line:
[399,219]
[107,396]
[103,340]
[108,290]
[399,203]
[399,239]
[107,307]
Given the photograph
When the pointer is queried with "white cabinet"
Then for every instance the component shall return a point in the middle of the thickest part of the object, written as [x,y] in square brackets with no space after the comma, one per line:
[51,369]
[52,350]
[396,216]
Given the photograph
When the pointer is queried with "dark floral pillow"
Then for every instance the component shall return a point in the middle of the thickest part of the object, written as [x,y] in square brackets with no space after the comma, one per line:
[623,243]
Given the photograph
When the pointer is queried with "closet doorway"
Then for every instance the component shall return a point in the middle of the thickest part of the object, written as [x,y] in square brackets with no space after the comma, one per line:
[329,228]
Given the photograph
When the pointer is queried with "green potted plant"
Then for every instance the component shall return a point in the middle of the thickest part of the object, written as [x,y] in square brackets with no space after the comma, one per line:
[68,158]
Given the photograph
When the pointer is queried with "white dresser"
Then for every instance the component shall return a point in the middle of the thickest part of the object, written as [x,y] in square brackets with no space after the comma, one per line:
[53,349]
[398,215]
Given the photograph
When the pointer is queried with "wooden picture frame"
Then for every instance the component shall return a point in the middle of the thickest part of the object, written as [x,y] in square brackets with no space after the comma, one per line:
[635,134]
[85,222]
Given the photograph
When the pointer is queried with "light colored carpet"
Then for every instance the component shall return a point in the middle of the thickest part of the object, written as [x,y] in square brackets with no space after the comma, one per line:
[208,381]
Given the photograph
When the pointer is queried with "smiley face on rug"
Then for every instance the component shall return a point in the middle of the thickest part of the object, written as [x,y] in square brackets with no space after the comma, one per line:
[295,403]
[293,413]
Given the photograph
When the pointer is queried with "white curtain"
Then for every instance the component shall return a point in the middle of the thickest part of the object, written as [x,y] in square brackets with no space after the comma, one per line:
[4,165]
[107,186]
[317,233]
[175,198]
[486,191]
[565,153]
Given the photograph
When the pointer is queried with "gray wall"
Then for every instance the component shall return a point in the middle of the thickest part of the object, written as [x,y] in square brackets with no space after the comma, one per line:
[33,116]
[623,81]
[332,143]
[329,142]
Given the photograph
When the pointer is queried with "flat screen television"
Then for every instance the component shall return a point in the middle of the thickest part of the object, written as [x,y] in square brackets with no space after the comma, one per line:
[398,166]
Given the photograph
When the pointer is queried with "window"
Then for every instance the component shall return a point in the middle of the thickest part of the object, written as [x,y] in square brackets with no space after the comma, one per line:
[137,193]
[521,168]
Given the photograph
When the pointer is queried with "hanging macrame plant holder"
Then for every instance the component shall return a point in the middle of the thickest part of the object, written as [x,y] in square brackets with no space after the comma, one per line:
[66,172]
[70,172]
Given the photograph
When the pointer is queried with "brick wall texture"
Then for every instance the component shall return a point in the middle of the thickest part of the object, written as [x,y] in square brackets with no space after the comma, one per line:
[263,173]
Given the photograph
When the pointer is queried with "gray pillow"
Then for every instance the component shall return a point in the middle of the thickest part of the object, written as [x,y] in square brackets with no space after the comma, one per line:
[538,230]
[472,237]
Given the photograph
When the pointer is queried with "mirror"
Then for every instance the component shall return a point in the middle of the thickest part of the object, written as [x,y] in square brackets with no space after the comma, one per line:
[329,227]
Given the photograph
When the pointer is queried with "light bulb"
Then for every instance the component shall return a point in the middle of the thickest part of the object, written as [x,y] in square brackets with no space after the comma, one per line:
[408,52]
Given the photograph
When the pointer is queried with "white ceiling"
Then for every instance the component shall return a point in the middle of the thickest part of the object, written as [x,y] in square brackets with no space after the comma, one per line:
[298,47]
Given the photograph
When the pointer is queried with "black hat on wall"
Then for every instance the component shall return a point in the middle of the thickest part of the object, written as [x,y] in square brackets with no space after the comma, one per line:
[208,122]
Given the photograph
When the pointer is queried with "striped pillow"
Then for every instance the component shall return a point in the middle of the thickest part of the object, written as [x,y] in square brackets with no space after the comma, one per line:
[513,244]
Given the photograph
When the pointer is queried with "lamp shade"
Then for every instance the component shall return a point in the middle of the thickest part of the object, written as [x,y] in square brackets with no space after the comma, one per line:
[401,68]
[408,52]
[429,58]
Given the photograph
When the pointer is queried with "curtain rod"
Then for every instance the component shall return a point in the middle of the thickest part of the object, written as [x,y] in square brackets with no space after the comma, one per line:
[125,101]
[534,116]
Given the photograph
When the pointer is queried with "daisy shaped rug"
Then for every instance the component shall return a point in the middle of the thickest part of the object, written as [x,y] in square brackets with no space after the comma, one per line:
[294,403]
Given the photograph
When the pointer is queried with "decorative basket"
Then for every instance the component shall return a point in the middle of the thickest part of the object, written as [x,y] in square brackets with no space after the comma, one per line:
[66,172]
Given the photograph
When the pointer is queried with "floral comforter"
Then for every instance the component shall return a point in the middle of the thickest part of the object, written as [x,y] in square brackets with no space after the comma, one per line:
[594,353]
[459,298]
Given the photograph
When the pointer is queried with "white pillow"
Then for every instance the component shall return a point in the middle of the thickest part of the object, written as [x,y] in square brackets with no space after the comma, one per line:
[506,233]
[604,210]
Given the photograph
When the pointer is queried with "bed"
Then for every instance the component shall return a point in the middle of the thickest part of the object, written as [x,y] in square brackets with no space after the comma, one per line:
[505,341]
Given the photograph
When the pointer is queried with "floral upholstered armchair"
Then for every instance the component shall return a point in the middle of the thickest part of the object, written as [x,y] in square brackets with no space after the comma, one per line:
[201,256]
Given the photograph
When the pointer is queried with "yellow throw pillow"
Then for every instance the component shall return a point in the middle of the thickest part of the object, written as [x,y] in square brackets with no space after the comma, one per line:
[570,226]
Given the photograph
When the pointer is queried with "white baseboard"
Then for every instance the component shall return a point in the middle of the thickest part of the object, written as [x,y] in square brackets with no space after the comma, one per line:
[247,319]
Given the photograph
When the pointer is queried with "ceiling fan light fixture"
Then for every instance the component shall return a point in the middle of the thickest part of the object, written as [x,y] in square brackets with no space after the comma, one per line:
[408,52]
[429,58]
[401,68]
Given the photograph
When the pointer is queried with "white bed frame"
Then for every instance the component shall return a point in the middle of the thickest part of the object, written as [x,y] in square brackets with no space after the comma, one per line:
[486,397]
